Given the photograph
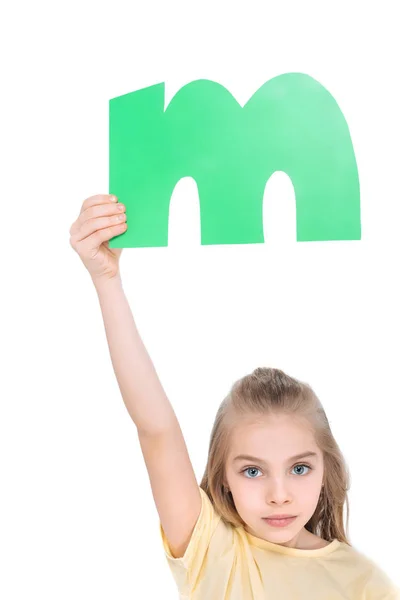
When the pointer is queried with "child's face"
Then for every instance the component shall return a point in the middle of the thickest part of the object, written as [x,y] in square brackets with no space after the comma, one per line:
[279,485]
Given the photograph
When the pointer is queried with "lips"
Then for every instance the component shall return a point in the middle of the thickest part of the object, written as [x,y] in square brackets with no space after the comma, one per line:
[279,521]
[275,517]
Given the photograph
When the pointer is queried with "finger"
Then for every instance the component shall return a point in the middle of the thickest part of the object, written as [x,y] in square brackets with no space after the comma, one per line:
[97,199]
[94,240]
[103,201]
[94,212]
[90,226]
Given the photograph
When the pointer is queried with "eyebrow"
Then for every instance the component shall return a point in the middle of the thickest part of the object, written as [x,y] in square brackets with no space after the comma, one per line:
[262,462]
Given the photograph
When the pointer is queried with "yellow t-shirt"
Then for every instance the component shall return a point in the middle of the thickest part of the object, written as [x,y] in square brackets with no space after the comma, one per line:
[223,562]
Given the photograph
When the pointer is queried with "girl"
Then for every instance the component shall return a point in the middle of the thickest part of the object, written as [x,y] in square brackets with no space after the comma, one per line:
[267,518]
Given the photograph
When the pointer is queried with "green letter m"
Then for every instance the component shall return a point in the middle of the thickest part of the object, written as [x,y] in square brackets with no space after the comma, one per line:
[291,124]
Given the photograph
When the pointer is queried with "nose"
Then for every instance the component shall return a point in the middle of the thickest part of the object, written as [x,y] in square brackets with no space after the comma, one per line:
[278,493]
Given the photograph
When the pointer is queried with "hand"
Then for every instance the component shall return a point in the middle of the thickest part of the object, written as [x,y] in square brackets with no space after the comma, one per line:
[97,223]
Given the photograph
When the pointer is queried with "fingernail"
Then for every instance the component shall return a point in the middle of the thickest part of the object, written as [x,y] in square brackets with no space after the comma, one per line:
[113,199]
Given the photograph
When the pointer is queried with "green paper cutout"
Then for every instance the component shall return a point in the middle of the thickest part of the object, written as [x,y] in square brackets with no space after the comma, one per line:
[291,124]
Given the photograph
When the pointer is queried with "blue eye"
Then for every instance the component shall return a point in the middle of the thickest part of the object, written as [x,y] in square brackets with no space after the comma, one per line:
[302,467]
[250,469]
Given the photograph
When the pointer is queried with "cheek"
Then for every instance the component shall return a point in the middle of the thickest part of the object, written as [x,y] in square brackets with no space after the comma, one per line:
[245,492]
[311,491]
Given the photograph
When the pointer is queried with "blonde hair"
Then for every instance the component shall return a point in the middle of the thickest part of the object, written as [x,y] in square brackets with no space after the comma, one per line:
[270,391]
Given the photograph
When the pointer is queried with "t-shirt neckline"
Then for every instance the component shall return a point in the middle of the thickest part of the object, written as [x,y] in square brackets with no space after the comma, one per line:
[261,543]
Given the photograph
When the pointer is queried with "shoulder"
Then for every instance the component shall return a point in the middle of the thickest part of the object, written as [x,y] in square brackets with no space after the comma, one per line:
[377,585]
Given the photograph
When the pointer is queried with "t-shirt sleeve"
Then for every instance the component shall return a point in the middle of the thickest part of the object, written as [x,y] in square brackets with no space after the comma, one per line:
[380,587]
[187,569]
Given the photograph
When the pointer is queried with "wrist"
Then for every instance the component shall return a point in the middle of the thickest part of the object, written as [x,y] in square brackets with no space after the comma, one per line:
[104,284]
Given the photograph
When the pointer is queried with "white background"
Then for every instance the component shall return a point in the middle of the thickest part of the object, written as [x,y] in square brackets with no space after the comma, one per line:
[77,516]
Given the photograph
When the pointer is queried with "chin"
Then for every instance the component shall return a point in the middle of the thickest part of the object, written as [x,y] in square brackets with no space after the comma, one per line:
[283,534]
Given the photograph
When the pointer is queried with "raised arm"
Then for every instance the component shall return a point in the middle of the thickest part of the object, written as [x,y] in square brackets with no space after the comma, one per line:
[140,387]
[173,482]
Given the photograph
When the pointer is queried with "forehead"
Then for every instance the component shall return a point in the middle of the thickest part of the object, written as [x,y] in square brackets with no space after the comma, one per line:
[275,436]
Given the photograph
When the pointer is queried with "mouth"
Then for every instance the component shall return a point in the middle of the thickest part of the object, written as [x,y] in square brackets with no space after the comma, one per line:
[279,521]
